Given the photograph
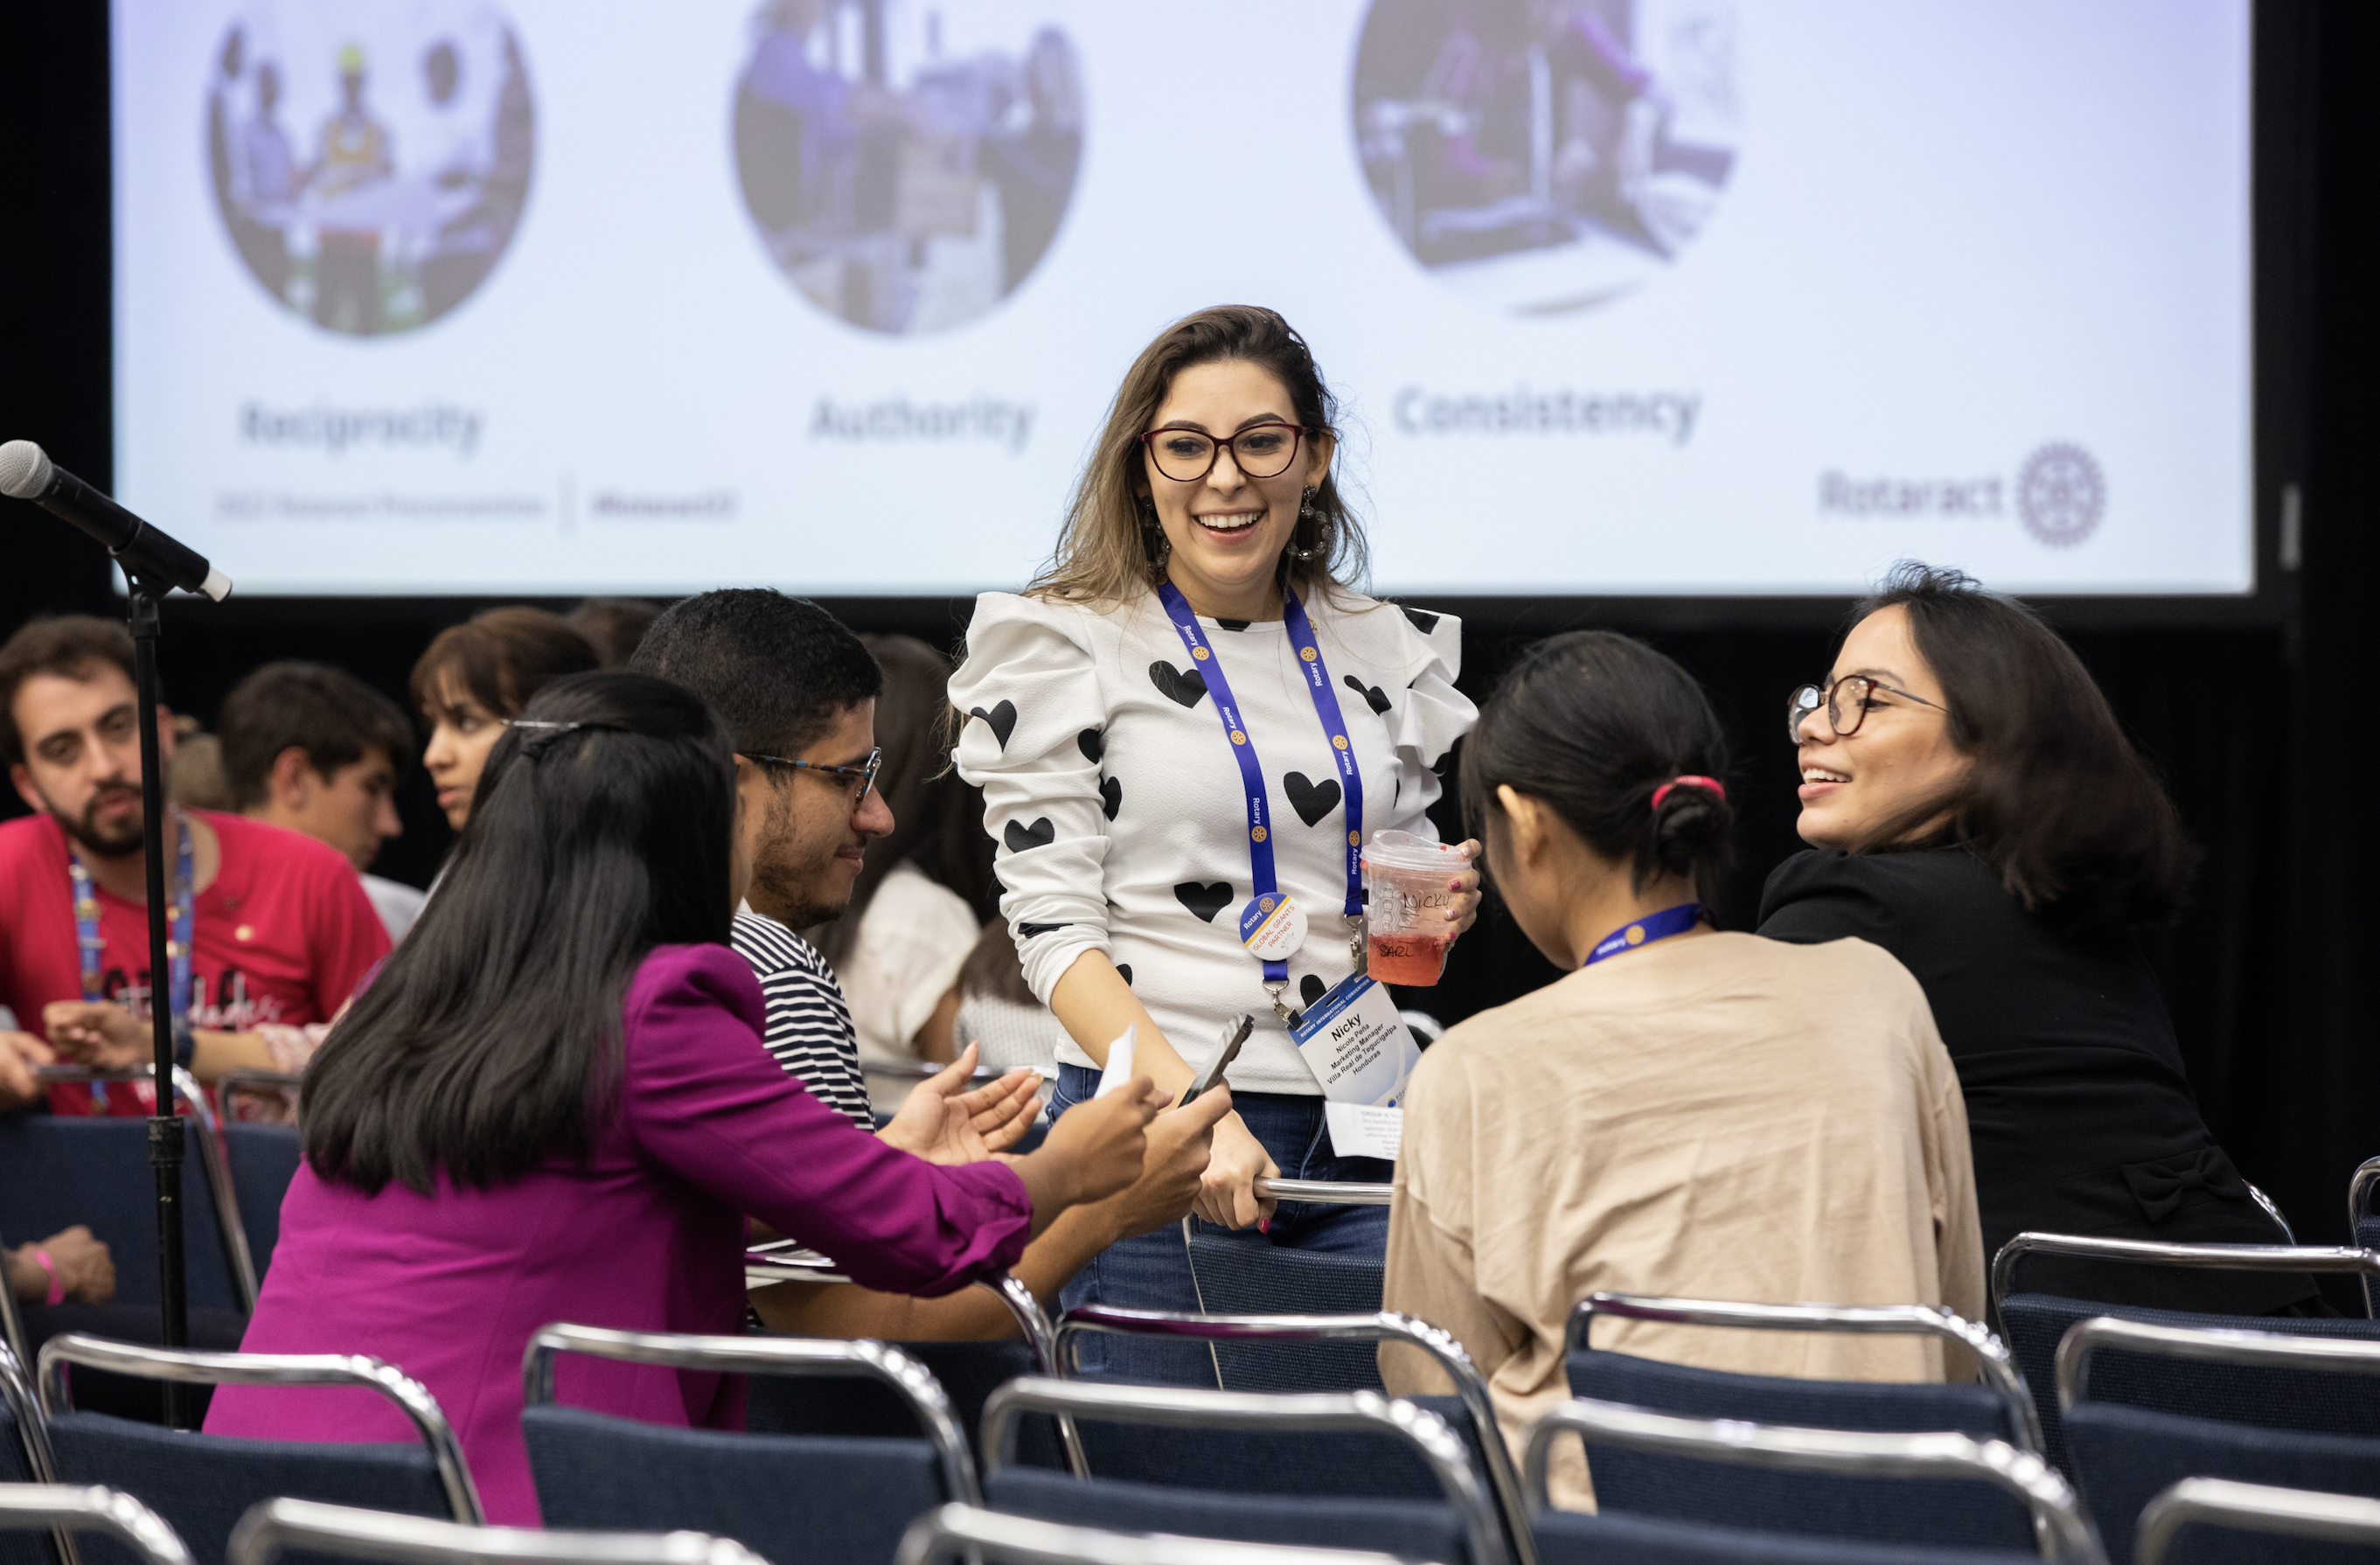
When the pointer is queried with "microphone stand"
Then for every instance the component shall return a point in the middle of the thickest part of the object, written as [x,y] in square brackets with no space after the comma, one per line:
[165,1124]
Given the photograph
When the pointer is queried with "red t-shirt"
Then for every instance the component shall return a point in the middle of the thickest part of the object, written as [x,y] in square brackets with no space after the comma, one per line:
[285,932]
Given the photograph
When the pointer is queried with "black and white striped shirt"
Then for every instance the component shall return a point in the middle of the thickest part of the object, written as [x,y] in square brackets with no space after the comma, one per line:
[809,1023]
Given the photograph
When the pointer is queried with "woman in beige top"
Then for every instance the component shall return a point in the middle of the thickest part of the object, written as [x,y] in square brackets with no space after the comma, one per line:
[1688,1112]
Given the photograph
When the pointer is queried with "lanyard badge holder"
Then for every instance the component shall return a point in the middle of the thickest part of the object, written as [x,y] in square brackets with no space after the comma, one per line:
[1272,926]
[90,947]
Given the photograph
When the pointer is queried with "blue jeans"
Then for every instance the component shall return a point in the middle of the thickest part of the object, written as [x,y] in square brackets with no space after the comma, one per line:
[1153,1272]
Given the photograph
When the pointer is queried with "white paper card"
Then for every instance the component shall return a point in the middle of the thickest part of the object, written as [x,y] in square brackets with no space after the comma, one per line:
[1363,1130]
[1357,1045]
[1119,1069]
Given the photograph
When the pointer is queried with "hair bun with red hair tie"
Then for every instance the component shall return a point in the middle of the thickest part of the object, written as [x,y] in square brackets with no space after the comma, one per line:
[1713,784]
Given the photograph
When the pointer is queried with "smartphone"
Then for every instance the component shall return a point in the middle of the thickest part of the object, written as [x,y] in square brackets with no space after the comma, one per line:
[1234,1034]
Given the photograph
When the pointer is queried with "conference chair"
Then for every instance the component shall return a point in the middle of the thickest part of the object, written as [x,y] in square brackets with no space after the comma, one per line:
[2363,1223]
[262,1157]
[2146,1406]
[2051,1526]
[24,1455]
[201,1484]
[792,1498]
[2034,1324]
[1335,1465]
[2260,1510]
[293,1526]
[965,1532]
[1459,1525]
[1246,1274]
[64,1509]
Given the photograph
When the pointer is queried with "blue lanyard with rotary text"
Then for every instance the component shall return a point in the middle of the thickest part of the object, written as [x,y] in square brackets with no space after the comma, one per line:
[91,945]
[1644,931]
[1244,750]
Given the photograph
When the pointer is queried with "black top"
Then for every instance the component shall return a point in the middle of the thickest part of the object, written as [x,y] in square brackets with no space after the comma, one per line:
[2078,1107]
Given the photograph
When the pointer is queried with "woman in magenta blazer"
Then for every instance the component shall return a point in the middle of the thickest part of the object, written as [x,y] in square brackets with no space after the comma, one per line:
[553,1105]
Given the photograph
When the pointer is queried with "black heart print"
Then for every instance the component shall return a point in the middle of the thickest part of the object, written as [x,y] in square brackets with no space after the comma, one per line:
[1125,969]
[1422,620]
[1112,792]
[1029,931]
[1093,744]
[1187,687]
[1205,898]
[1374,696]
[1312,987]
[1235,625]
[1023,839]
[1311,800]
[1002,719]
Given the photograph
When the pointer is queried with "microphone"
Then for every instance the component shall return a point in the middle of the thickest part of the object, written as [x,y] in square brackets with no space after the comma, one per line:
[27,473]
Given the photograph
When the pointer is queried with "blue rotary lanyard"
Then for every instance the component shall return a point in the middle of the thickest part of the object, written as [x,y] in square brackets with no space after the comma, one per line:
[181,925]
[1244,750]
[1644,931]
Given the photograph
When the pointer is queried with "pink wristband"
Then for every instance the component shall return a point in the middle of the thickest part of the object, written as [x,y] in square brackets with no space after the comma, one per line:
[58,1289]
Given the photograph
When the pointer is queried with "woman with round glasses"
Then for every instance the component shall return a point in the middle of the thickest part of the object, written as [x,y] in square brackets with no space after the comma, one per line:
[1192,710]
[1973,807]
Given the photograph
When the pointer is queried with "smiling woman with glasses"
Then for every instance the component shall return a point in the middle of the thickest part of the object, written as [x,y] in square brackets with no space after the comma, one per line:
[1974,808]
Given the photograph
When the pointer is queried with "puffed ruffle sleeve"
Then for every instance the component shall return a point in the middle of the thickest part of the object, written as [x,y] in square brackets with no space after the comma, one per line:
[1433,714]
[1031,695]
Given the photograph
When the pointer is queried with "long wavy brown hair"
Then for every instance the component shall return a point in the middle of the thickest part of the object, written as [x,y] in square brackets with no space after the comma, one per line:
[1107,551]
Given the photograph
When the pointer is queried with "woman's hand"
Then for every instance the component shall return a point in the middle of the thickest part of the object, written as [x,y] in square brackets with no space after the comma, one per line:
[1464,910]
[98,1033]
[942,1124]
[1227,1193]
[1093,1150]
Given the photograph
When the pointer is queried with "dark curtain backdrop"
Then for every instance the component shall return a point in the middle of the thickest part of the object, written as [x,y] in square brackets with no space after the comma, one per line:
[2264,732]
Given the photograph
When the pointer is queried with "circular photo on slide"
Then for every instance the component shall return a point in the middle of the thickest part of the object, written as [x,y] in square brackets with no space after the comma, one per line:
[1547,155]
[907,167]
[370,160]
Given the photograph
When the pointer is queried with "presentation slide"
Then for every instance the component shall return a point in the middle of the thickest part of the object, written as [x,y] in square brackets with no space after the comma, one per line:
[1677,297]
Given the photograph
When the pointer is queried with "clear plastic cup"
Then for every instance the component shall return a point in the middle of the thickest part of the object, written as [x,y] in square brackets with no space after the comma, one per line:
[1407,889]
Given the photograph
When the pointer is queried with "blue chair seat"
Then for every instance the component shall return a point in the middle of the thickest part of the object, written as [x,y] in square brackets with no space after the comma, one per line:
[1247,1274]
[1413,1529]
[2125,1456]
[1566,1537]
[57,1170]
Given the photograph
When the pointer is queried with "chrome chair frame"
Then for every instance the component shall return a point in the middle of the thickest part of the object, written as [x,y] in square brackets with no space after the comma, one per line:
[194,1368]
[231,1084]
[2358,1192]
[1387,1325]
[2225,1502]
[2063,1530]
[67,1508]
[961,1530]
[2203,1345]
[765,1355]
[273,1526]
[1183,1407]
[32,1433]
[1981,1342]
[2215,1257]
[1326,1192]
[212,1160]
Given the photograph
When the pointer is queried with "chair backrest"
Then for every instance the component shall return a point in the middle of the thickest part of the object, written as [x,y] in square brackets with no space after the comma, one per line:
[2273,1511]
[798,1496]
[2059,1524]
[1573,1537]
[1247,1276]
[66,1509]
[24,1454]
[1460,1520]
[967,1531]
[2222,1407]
[279,1525]
[201,1484]
[1328,1464]
[2363,1223]
[260,1155]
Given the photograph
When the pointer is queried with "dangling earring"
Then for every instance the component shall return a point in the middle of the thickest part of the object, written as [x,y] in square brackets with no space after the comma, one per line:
[1304,515]
[1154,543]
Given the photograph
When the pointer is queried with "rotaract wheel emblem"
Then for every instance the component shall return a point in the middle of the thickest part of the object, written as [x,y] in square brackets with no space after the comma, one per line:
[2061,494]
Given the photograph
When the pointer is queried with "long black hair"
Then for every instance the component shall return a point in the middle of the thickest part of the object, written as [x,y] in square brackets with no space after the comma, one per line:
[490,1041]
[2058,800]
[1594,724]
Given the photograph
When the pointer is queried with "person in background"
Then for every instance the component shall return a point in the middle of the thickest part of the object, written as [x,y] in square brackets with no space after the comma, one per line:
[312,748]
[497,1098]
[1973,807]
[278,929]
[798,691]
[612,626]
[198,776]
[1688,1112]
[897,947]
[998,1013]
[474,678]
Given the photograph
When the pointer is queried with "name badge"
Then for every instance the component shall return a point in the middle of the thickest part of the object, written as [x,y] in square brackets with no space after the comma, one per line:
[1272,927]
[1362,1053]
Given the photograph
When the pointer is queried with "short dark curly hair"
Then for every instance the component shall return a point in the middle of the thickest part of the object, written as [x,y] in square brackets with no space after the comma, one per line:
[327,712]
[778,670]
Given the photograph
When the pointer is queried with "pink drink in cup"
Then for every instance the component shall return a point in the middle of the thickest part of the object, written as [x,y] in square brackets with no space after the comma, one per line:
[1408,886]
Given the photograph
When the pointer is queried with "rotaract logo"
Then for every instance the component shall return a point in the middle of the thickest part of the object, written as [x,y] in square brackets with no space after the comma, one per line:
[2061,494]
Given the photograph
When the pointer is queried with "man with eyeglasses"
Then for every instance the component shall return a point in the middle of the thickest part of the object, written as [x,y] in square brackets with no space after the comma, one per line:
[797,692]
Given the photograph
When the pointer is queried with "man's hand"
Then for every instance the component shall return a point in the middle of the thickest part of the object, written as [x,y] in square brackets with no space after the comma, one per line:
[21,1055]
[942,1124]
[1094,1150]
[86,1273]
[1180,1141]
[99,1033]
